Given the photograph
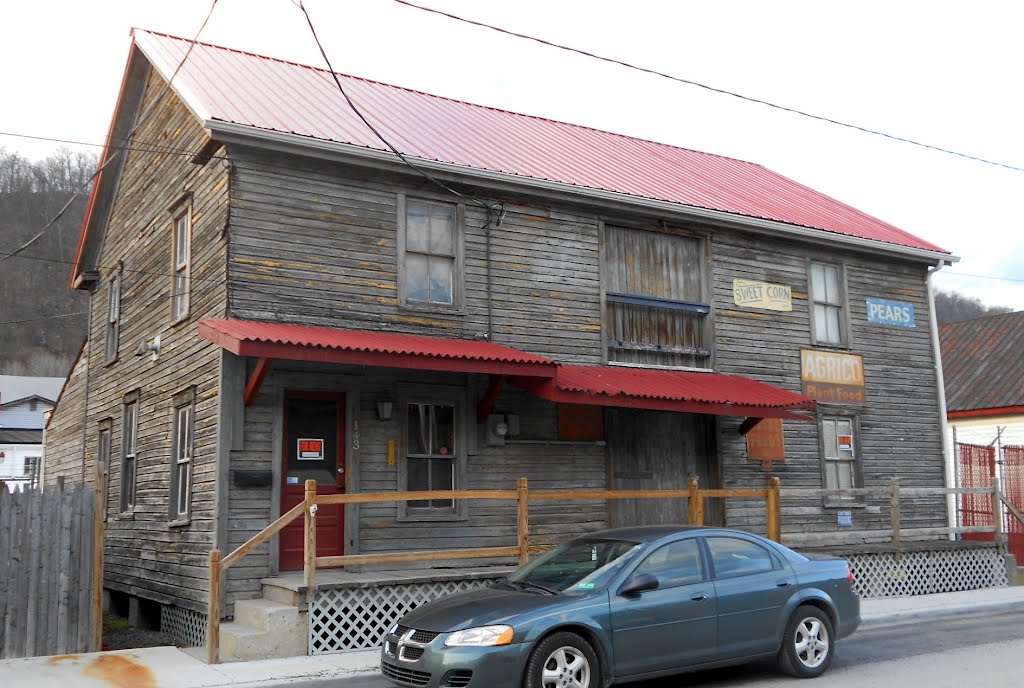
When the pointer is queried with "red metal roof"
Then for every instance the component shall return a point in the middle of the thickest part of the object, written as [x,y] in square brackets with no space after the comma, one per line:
[269,95]
[387,349]
[670,390]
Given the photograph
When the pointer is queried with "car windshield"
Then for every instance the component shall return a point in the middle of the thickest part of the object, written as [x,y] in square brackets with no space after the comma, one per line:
[578,566]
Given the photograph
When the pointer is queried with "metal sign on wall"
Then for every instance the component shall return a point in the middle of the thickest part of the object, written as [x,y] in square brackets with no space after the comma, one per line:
[893,313]
[833,378]
[765,442]
[753,294]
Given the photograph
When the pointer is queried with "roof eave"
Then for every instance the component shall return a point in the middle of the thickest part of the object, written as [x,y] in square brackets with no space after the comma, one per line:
[229,132]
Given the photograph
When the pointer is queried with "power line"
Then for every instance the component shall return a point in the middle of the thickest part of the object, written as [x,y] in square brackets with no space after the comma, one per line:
[722,91]
[150,147]
[497,209]
[117,153]
[43,317]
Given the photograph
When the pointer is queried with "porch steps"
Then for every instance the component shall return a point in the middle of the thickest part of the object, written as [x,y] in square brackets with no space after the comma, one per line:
[263,629]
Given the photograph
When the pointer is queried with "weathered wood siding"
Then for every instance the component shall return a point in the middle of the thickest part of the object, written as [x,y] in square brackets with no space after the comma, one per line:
[145,554]
[62,442]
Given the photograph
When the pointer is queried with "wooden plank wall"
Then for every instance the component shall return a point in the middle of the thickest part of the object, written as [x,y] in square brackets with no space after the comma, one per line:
[145,554]
[46,560]
[63,440]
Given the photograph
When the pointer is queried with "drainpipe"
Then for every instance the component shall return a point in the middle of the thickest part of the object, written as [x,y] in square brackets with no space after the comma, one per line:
[940,381]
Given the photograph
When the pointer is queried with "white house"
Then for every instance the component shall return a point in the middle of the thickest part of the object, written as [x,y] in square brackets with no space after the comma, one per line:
[23,403]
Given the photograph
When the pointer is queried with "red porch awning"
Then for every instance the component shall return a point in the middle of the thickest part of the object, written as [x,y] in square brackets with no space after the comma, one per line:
[669,390]
[356,347]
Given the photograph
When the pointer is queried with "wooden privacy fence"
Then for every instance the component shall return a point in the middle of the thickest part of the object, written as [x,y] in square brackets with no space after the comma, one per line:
[50,597]
[521,550]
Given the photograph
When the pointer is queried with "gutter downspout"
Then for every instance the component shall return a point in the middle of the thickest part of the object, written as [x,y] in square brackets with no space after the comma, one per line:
[940,381]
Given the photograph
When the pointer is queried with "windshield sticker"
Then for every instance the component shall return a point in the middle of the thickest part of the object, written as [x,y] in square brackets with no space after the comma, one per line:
[586,586]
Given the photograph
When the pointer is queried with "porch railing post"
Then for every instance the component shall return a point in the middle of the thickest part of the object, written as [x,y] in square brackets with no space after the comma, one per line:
[309,550]
[523,520]
[997,516]
[213,610]
[774,510]
[894,513]
[695,504]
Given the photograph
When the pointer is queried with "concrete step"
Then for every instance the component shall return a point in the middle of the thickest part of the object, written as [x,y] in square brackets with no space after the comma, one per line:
[264,629]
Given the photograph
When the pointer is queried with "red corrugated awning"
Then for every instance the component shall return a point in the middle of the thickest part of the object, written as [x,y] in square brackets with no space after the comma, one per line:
[386,349]
[669,390]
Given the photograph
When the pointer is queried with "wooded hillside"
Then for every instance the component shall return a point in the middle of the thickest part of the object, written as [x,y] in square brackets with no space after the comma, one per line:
[42,323]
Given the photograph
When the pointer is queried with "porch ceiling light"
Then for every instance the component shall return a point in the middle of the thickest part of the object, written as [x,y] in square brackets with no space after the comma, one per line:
[384,409]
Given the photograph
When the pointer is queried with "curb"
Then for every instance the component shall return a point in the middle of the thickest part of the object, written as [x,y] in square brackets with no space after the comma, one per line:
[912,616]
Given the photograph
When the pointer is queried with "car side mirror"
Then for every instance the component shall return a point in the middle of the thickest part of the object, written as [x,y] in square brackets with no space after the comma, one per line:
[638,584]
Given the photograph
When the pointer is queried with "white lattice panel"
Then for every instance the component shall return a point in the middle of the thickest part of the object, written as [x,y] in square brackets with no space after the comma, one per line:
[357,618]
[920,573]
[186,626]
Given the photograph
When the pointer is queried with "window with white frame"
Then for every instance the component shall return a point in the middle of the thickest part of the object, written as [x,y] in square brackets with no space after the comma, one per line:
[129,456]
[182,227]
[828,301]
[181,455]
[430,254]
[839,452]
[432,455]
[113,316]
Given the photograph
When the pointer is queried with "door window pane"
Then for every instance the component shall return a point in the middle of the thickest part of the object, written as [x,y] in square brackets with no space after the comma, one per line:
[677,563]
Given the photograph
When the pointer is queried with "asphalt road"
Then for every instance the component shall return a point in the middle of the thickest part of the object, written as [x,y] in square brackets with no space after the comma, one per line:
[951,653]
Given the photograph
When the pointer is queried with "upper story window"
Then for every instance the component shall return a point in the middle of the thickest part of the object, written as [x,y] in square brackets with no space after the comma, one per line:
[828,299]
[182,237]
[113,316]
[129,457]
[656,307]
[430,254]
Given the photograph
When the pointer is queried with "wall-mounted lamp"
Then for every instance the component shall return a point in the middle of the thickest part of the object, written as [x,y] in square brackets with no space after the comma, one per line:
[384,409]
[150,346]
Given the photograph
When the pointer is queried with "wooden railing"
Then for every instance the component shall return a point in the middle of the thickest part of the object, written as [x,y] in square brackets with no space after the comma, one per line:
[894,494]
[521,550]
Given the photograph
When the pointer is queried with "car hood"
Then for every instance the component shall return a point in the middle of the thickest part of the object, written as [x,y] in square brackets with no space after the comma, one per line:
[481,607]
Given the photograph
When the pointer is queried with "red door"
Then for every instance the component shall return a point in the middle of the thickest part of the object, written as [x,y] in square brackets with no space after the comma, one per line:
[314,449]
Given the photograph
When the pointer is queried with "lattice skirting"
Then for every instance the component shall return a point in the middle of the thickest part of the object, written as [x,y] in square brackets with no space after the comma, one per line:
[881,574]
[357,618]
[186,626]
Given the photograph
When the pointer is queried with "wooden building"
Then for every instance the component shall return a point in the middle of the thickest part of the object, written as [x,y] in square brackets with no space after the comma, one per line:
[276,296]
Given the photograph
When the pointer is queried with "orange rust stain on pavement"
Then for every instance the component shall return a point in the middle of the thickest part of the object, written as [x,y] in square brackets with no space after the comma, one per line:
[57,659]
[121,671]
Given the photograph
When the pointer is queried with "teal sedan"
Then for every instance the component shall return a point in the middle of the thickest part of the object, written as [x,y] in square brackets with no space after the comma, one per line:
[630,604]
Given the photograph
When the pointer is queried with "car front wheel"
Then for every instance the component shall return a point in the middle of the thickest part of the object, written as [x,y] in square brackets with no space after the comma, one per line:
[563,660]
[807,646]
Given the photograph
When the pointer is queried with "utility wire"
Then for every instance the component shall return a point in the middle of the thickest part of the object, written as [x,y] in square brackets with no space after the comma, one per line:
[690,82]
[139,147]
[117,152]
[496,209]
[43,317]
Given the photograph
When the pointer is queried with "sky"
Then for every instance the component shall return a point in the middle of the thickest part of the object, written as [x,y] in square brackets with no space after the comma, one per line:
[943,73]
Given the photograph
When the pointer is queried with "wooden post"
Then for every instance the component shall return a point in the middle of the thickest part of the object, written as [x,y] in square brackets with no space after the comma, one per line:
[96,642]
[774,510]
[309,524]
[894,514]
[695,504]
[523,520]
[997,516]
[213,611]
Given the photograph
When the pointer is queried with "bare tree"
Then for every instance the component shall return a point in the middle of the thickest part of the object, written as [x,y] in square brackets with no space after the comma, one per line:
[951,306]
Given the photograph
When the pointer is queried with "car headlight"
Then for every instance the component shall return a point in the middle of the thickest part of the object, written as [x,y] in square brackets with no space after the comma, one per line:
[483,636]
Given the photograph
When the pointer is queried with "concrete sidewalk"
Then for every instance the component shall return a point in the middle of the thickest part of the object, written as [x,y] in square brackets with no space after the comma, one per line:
[170,667]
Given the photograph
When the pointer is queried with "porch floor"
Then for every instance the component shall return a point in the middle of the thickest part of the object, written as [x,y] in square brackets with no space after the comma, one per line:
[342,578]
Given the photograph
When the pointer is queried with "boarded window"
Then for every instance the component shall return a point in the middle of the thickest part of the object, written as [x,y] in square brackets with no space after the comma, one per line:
[828,300]
[182,257]
[431,461]
[838,435]
[430,268]
[656,310]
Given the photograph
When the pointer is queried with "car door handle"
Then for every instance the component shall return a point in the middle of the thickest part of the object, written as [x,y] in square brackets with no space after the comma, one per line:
[699,596]
[782,583]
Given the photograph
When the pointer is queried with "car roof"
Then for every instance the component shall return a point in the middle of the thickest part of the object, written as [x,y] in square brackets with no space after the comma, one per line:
[642,533]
